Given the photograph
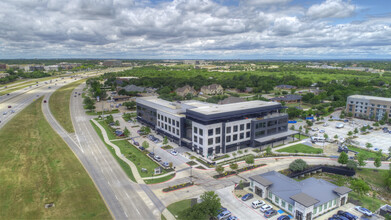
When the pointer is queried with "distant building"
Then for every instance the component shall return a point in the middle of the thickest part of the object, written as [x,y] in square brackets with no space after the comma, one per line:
[68,66]
[51,68]
[287,98]
[183,91]
[133,88]
[306,199]
[32,68]
[112,63]
[3,67]
[362,106]
[230,100]
[285,87]
[121,80]
[213,89]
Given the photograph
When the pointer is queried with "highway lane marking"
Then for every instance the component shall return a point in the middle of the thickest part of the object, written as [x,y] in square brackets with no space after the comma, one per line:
[126,215]
[127,194]
[108,183]
[116,197]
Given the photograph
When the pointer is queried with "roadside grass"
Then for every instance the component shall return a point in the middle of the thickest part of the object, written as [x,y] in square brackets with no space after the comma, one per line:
[301,148]
[140,159]
[301,136]
[24,85]
[369,154]
[159,180]
[122,163]
[114,111]
[109,130]
[178,207]
[59,105]
[37,167]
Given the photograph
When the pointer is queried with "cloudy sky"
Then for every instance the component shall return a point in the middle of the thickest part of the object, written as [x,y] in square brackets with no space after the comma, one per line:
[195,29]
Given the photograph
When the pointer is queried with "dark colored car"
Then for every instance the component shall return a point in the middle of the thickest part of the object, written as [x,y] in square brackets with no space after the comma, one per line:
[44,101]
[222,209]
[283,217]
[136,143]
[270,213]
[9,106]
[141,148]
[347,215]
[247,196]
[151,154]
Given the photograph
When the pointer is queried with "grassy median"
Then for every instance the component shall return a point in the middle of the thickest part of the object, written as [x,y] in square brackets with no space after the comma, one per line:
[37,167]
[59,105]
[301,148]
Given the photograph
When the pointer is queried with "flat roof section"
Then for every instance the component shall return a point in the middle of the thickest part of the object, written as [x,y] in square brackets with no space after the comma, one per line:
[304,199]
[367,97]
[216,109]
[276,136]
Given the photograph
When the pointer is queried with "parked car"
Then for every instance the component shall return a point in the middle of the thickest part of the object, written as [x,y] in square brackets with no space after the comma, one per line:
[141,148]
[283,217]
[347,215]
[222,209]
[314,129]
[232,218]
[4,113]
[44,101]
[270,213]
[265,208]
[12,111]
[224,215]
[165,164]
[247,196]
[151,154]
[363,210]
[339,217]
[9,106]
[157,158]
[174,152]
[321,131]
[325,125]
[136,143]
[257,203]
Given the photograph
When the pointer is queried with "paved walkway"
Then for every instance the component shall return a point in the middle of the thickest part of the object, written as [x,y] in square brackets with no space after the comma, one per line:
[119,154]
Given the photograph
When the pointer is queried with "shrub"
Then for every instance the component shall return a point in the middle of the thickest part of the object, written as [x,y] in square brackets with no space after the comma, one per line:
[298,165]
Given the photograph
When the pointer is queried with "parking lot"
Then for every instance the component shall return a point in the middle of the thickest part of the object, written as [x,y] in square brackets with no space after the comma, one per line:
[243,209]
[377,138]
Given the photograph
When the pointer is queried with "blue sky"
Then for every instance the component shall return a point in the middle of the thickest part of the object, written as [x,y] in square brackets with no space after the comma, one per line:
[197,29]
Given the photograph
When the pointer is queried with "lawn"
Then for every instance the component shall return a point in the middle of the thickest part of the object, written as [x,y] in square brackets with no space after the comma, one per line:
[301,148]
[109,130]
[370,154]
[59,105]
[122,163]
[37,167]
[105,112]
[178,207]
[300,137]
[159,180]
[140,159]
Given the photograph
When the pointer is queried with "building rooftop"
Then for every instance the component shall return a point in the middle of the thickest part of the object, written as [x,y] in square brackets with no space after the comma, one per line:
[367,97]
[215,109]
[291,190]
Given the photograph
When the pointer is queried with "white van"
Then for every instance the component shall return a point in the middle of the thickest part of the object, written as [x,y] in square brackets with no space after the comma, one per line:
[340,125]
[318,139]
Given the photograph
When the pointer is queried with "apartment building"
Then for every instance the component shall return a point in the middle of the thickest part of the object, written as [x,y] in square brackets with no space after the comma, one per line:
[369,107]
[307,199]
[211,129]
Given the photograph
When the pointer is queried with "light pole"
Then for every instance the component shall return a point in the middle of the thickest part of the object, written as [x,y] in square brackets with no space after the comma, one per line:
[191,174]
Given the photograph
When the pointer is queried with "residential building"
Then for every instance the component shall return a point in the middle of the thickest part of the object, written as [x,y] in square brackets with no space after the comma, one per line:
[3,67]
[211,129]
[291,98]
[213,89]
[285,87]
[307,199]
[369,107]
[230,100]
[183,91]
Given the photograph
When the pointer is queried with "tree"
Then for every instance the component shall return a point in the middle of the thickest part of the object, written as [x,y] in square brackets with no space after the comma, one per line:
[359,186]
[309,123]
[356,131]
[130,105]
[219,169]
[145,144]
[165,141]
[195,212]
[292,127]
[116,123]
[351,164]
[350,133]
[335,136]
[326,136]
[388,178]
[343,158]
[126,132]
[211,203]
[300,129]
[377,162]
[269,151]
[250,159]
[306,131]
[233,166]
[369,145]
[361,157]
[298,165]
[389,151]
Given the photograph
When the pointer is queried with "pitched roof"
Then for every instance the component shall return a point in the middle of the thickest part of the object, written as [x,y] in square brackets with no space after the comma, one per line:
[134,88]
[285,87]
[304,199]
[286,188]
[182,89]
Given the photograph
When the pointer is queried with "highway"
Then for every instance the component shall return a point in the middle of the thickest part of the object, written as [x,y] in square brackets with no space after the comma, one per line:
[126,200]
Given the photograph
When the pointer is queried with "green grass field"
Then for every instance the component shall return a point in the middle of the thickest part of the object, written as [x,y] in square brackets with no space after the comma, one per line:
[301,148]
[369,154]
[37,167]
[109,130]
[59,105]
[159,180]
[178,207]
[122,163]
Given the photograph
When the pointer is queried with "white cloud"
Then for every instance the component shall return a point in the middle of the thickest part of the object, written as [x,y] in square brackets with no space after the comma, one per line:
[331,9]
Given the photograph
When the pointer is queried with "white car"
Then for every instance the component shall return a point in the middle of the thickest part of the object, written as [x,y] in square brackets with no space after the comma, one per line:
[265,208]
[257,203]
[174,152]
[363,210]
[325,125]
[314,129]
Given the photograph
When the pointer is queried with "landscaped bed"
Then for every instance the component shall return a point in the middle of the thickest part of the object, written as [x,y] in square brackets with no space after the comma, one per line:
[244,169]
[178,187]
[301,148]
[191,163]
[225,174]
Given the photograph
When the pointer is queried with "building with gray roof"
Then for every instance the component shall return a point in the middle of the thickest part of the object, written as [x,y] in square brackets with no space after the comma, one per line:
[306,199]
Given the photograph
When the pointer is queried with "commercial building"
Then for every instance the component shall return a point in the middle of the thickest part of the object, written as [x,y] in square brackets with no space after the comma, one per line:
[211,129]
[306,199]
[112,63]
[369,107]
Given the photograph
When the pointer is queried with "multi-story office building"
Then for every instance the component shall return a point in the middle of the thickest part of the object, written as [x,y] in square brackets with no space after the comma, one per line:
[211,129]
[369,107]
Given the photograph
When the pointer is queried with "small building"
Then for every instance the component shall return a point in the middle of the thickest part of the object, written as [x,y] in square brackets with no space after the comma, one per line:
[133,88]
[306,199]
[112,63]
[213,89]
[183,91]
[287,87]
[51,68]
[291,98]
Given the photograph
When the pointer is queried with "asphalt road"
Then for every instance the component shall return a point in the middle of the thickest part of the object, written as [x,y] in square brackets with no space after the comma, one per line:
[125,199]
